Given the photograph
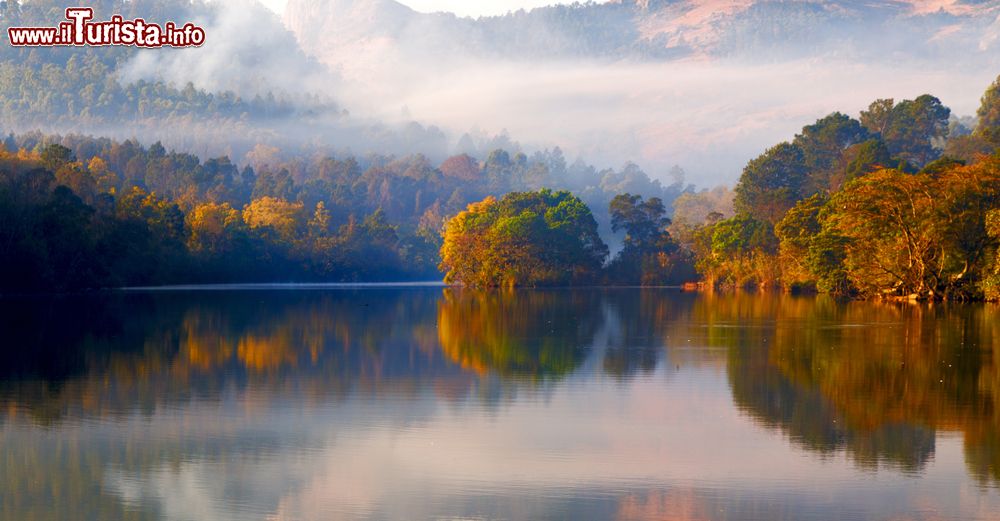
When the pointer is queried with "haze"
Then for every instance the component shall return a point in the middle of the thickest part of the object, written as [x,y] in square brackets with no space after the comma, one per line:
[704,84]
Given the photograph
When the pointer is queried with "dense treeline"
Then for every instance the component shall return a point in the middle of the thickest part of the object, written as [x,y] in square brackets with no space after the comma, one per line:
[79,212]
[55,239]
[547,238]
[902,202]
[261,203]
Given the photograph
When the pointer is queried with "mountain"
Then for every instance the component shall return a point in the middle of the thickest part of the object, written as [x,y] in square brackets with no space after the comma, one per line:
[703,83]
[336,30]
[706,84]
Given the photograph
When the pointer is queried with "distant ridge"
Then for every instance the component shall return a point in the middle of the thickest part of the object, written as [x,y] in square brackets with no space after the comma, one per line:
[337,30]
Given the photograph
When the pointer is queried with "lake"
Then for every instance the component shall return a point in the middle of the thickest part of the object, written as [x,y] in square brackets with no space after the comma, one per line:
[420,402]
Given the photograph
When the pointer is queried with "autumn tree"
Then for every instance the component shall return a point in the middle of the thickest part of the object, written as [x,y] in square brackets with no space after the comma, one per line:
[272,215]
[923,235]
[460,167]
[523,239]
[213,228]
[737,252]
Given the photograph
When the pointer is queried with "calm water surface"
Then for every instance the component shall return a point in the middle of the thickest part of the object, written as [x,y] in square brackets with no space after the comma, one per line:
[431,403]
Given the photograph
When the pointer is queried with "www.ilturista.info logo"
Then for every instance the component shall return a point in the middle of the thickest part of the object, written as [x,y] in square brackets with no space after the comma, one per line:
[79,30]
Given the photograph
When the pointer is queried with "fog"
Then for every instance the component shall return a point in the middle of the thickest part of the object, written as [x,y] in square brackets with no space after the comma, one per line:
[708,117]
[387,67]
[247,51]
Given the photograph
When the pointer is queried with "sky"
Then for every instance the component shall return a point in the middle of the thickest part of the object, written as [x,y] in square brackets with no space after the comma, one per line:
[459,7]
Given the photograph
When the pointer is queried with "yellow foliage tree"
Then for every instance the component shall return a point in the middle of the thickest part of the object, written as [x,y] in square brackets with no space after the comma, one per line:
[464,242]
[106,179]
[284,217]
[211,226]
[523,239]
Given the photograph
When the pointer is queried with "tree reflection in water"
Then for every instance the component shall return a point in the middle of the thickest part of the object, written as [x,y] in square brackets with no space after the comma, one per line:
[874,381]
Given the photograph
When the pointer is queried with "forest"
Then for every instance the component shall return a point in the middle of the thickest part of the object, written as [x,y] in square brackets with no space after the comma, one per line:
[237,193]
[901,202]
[898,202]
[78,212]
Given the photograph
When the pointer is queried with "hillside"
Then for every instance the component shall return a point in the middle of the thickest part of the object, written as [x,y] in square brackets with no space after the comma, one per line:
[342,32]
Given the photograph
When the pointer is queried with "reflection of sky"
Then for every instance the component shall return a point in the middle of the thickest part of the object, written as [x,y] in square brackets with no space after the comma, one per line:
[418,438]
[670,443]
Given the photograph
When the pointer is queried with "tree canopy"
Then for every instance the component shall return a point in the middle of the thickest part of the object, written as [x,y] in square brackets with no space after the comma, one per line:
[898,204]
[523,239]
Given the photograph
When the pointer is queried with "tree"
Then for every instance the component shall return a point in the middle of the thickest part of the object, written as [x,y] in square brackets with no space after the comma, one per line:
[319,225]
[54,156]
[913,130]
[106,180]
[988,126]
[163,218]
[743,234]
[810,256]
[643,221]
[73,176]
[460,167]
[366,250]
[499,170]
[649,253]
[523,239]
[922,235]
[865,158]
[772,183]
[740,251]
[272,215]
[213,228]
[878,116]
[823,144]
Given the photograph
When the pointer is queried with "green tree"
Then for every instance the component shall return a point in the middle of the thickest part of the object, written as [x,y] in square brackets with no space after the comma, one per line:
[772,183]
[55,156]
[523,239]
[823,145]
[878,116]
[913,130]
[811,257]
[649,255]
[865,158]
[739,251]
[644,222]
[988,126]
